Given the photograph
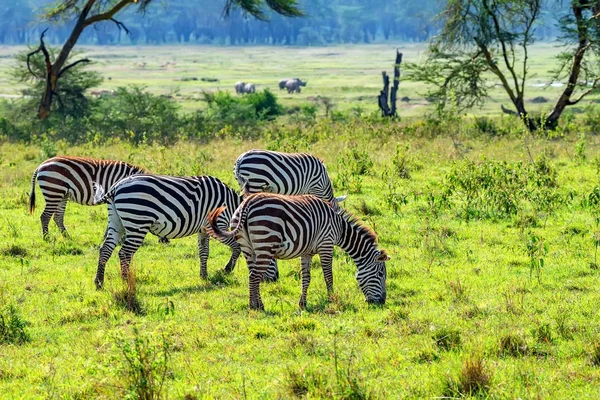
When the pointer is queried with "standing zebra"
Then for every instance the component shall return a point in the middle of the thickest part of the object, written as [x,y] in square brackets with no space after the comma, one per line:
[271,226]
[169,207]
[63,178]
[284,173]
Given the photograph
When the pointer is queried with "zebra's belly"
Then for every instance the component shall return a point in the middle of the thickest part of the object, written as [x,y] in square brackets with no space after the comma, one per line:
[172,229]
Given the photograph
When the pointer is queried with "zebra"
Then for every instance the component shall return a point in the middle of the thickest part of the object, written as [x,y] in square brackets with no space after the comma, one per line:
[284,173]
[169,207]
[63,178]
[272,226]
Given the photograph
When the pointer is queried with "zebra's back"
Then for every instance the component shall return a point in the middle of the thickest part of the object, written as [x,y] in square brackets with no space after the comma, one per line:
[283,173]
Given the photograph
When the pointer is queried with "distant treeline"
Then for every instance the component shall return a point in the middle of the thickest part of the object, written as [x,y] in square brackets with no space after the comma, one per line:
[202,21]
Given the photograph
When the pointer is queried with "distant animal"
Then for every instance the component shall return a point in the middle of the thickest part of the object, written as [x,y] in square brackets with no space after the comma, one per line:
[169,207]
[283,82]
[249,88]
[63,178]
[284,173]
[103,92]
[270,226]
[239,87]
[293,85]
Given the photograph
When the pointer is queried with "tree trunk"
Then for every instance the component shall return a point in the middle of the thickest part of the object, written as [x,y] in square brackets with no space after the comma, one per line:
[382,99]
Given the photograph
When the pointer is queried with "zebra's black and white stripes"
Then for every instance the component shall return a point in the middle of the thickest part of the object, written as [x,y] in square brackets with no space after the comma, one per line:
[63,178]
[167,206]
[270,226]
[283,173]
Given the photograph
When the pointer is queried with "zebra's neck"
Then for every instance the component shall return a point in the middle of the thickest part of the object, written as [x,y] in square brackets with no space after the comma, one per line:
[355,239]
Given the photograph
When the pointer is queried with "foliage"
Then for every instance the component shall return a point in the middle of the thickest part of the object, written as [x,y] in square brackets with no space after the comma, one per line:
[484,38]
[146,365]
[134,115]
[492,189]
[12,327]
[70,92]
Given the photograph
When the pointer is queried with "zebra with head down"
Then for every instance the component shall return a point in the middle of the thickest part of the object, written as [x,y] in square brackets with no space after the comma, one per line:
[170,207]
[270,226]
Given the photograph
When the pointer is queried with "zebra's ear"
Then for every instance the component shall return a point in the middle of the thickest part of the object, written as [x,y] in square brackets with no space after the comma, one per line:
[383,256]
[341,198]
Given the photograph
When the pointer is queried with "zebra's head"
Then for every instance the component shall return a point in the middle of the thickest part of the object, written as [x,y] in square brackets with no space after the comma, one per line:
[371,277]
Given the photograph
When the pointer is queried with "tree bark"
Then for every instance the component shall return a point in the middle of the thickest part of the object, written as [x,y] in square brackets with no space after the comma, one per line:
[565,98]
[384,95]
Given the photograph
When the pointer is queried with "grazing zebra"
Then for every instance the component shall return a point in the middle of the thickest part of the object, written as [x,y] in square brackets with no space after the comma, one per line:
[169,207]
[271,226]
[63,178]
[284,173]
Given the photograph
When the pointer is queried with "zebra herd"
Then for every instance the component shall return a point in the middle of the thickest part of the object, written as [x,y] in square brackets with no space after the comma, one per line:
[287,210]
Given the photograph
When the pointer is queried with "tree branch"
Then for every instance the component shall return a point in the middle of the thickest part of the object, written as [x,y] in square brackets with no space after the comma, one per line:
[120,25]
[62,71]
[496,70]
[41,48]
[507,111]
[109,14]
[499,34]
[585,93]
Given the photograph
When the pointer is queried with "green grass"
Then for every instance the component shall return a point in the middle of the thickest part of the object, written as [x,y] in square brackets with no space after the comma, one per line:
[350,75]
[465,313]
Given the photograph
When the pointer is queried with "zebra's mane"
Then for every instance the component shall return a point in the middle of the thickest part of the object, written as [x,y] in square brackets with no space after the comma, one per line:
[356,223]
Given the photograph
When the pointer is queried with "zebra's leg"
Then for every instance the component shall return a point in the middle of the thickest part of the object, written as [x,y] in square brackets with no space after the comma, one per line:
[52,203]
[203,250]
[133,241]
[272,272]
[305,279]
[59,216]
[112,236]
[236,250]
[326,264]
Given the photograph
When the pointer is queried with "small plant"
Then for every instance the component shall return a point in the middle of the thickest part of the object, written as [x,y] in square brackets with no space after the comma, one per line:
[458,290]
[301,383]
[427,355]
[512,345]
[543,334]
[595,354]
[536,249]
[126,297]
[402,163]
[474,380]
[12,327]
[447,339]
[580,148]
[146,365]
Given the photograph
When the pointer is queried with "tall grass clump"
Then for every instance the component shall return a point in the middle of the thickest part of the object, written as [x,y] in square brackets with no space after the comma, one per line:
[12,326]
[474,379]
[145,366]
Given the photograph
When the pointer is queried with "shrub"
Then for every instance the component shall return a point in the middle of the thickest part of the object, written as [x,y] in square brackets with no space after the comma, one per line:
[12,327]
[136,116]
[146,365]
[498,189]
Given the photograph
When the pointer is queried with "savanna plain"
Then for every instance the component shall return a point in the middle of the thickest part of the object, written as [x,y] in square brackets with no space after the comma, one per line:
[492,286]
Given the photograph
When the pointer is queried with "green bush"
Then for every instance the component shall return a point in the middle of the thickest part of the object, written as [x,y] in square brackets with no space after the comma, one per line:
[12,327]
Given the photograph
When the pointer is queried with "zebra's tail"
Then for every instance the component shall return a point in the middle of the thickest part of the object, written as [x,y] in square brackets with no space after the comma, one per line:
[31,206]
[100,196]
[218,233]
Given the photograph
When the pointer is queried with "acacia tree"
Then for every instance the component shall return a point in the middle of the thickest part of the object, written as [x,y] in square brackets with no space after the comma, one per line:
[88,12]
[479,37]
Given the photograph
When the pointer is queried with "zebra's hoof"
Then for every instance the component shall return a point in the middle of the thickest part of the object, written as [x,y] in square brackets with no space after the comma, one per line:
[99,285]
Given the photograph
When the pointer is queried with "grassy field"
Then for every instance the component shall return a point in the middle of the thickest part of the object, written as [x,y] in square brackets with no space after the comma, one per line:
[471,308]
[349,75]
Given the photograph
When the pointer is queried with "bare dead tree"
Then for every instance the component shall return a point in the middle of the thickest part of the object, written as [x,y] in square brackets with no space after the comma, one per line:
[384,95]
